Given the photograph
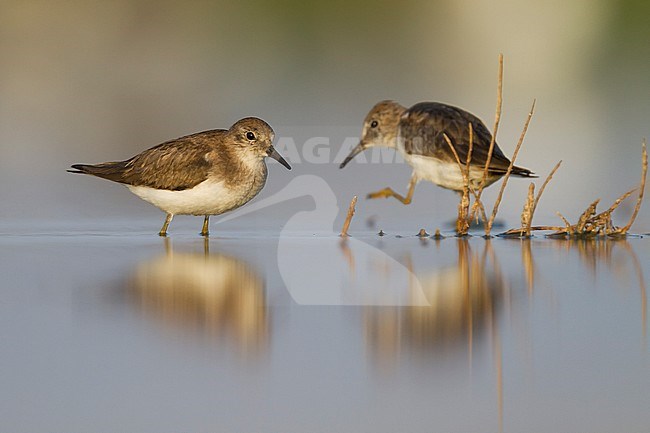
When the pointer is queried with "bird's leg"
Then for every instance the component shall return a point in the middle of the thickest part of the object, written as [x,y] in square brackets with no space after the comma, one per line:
[163,230]
[387,192]
[204,231]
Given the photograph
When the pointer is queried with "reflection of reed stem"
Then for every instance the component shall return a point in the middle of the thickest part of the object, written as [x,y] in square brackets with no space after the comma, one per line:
[499,365]
[529,265]
[644,293]
[498,362]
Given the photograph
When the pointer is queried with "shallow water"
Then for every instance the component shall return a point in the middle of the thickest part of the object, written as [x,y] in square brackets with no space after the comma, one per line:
[114,330]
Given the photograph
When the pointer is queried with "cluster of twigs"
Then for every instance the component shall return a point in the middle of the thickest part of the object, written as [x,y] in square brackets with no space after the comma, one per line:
[590,223]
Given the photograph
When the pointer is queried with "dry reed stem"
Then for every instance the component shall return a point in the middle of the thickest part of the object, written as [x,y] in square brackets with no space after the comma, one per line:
[586,216]
[348,218]
[590,223]
[477,200]
[602,222]
[527,213]
[644,173]
[531,205]
[566,221]
[462,221]
[460,164]
[541,190]
[469,152]
[520,230]
[616,203]
[462,224]
[495,209]
[478,205]
[497,119]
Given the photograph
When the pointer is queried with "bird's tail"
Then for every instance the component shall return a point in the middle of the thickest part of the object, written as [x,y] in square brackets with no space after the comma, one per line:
[107,170]
[79,169]
[522,172]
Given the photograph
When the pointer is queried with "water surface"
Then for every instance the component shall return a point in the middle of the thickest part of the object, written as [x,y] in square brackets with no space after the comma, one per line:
[107,330]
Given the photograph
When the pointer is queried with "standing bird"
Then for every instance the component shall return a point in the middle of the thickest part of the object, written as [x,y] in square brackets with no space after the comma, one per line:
[207,173]
[418,133]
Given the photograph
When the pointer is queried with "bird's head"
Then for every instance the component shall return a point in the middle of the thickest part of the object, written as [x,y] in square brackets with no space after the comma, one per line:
[255,137]
[379,128]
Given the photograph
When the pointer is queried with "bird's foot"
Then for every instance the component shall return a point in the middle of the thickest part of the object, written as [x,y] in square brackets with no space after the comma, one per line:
[387,192]
[384,193]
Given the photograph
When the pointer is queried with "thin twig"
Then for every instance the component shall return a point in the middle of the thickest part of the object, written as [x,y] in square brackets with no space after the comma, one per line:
[477,201]
[527,213]
[348,218]
[497,119]
[616,203]
[460,164]
[465,173]
[566,221]
[644,173]
[521,230]
[469,152]
[541,190]
[478,205]
[603,221]
[462,223]
[532,201]
[495,209]
[586,217]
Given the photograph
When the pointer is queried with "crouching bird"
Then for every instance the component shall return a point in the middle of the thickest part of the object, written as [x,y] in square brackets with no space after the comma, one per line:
[418,133]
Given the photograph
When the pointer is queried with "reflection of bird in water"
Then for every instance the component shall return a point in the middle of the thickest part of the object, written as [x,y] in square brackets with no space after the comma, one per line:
[462,298]
[215,293]
[315,269]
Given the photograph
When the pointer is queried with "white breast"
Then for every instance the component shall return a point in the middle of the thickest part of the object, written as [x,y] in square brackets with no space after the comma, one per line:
[444,174]
[207,198]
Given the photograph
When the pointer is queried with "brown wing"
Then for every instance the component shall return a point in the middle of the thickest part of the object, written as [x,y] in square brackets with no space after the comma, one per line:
[423,125]
[174,165]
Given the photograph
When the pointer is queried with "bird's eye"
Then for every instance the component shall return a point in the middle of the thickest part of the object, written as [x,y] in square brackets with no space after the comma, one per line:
[374,124]
[250,136]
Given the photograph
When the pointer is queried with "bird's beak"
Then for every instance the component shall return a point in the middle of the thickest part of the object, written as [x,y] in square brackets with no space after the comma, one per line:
[357,150]
[275,155]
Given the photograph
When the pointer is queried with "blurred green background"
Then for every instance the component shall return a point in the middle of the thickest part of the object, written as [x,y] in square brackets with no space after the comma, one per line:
[90,81]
